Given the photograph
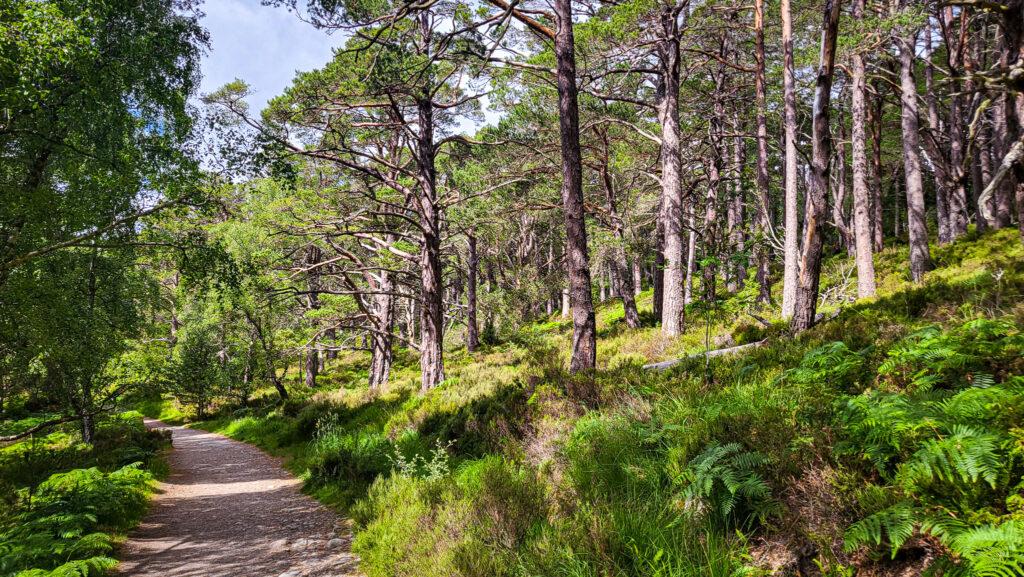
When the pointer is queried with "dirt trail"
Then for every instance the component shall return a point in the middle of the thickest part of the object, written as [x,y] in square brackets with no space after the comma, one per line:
[230,510]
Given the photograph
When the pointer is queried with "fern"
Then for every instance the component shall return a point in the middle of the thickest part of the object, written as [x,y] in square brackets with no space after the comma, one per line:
[947,447]
[833,364]
[725,480]
[963,457]
[992,550]
[60,535]
[896,524]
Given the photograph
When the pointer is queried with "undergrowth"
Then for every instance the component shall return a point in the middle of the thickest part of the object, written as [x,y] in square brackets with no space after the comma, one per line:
[888,439]
[65,503]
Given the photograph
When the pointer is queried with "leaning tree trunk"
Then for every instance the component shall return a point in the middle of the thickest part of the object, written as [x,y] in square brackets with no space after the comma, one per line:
[810,270]
[861,196]
[839,217]
[920,258]
[584,334]
[792,202]
[673,304]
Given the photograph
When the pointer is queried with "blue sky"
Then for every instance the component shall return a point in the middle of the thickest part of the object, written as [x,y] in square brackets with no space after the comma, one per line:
[265,46]
[262,45]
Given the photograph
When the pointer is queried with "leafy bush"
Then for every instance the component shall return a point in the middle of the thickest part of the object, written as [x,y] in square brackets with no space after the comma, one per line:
[62,527]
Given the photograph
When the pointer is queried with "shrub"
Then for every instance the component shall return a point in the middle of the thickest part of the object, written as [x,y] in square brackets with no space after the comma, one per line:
[62,529]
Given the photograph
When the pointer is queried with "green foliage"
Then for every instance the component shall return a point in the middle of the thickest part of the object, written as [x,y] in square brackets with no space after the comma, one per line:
[195,375]
[854,427]
[946,445]
[724,481]
[62,526]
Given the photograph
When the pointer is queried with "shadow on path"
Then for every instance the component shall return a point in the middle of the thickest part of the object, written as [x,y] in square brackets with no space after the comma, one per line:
[228,509]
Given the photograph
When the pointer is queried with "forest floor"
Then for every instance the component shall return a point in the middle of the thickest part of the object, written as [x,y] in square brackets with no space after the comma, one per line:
[229,509]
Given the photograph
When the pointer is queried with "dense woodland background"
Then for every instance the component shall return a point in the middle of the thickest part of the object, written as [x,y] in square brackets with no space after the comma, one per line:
[515,206]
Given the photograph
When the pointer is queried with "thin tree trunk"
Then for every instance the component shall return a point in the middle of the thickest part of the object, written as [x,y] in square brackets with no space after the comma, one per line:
[472,328]
[810,270]
[584,337]
[955,49]
[658,269]
[920,258]
[737,268]
[762,256]
[939,163]
[638,277]
[878,232]
[710,236]
[839,193]
[622,277]
[381,340]
[861,196]
[792,200]
[313,257]
[691,260]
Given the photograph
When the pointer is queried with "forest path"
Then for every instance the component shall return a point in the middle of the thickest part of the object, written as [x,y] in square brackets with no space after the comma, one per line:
[229,509]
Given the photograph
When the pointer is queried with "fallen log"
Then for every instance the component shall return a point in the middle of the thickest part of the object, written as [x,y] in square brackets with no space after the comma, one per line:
[760,319]
[709,354]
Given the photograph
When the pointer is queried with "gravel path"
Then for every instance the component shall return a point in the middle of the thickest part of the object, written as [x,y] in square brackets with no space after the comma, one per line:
[228,510]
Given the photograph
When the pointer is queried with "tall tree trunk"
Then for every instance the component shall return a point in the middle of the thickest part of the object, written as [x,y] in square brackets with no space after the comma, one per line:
[878,232]
[658,270]
[638,277]
[792,200]
[432,284]
[762,254]
[382,310]
[710,230]
[737,266]
[861,196]
[621,275]
[955,49]
[472,328]
[673,304]
[710,236]
[1002,129]
[939,163]
[810,270]
[839,193]
[920,258]
[312,361]
[584,334]
[691,259]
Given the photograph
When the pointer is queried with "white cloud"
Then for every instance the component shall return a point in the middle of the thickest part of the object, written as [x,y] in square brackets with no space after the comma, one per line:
[262,45]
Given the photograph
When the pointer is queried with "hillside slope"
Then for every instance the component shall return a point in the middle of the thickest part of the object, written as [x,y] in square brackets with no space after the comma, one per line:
[885,441]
